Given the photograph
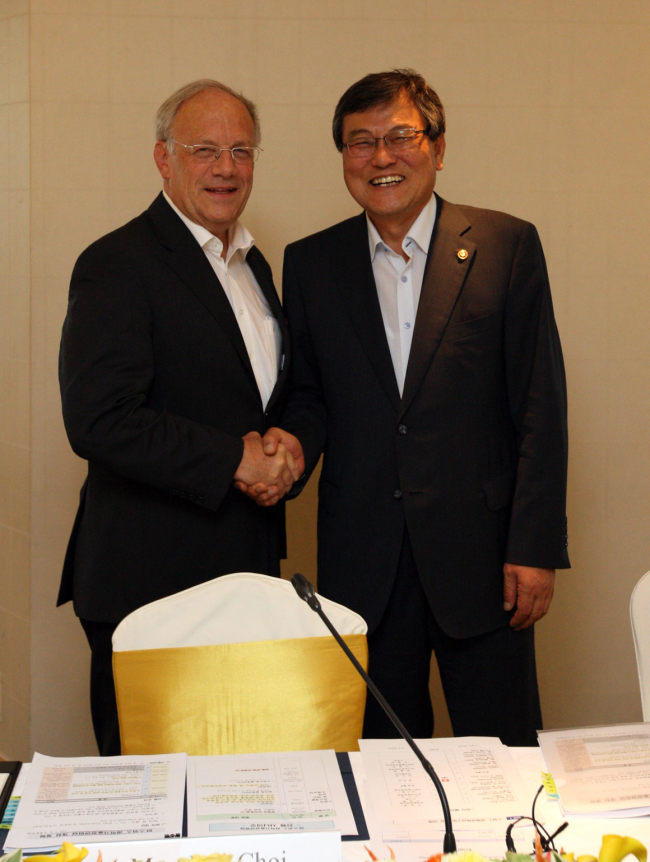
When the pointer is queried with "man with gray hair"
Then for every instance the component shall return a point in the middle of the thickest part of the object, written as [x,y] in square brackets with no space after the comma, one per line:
[173,363]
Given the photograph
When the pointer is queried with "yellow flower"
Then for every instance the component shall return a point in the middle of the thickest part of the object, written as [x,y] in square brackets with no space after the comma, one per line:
[617,847]
[67,853]
[464,856]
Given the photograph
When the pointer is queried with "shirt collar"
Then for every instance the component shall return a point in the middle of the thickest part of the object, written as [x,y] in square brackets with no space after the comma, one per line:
[419,232]
[239,238]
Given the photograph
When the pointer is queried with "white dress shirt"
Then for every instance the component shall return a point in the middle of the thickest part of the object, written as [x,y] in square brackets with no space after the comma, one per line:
[258,326]
[399,283]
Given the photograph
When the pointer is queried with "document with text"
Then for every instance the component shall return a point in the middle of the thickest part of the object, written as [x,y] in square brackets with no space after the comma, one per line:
[479,776]
[290,791]
[602,771]
[91,799]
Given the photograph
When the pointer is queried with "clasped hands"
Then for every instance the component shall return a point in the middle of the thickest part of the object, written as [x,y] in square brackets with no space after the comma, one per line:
[269,466]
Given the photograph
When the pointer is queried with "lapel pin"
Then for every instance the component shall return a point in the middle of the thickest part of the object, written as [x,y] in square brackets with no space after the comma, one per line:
[462,254]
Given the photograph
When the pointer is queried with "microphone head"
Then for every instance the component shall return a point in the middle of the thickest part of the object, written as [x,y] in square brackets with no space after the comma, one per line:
[305,590]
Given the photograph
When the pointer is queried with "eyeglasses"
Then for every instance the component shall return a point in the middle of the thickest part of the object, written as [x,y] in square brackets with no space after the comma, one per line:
[207,152]
[400,141]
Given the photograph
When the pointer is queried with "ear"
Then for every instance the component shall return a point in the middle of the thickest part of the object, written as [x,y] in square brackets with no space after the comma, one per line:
[439,152]
[161,157]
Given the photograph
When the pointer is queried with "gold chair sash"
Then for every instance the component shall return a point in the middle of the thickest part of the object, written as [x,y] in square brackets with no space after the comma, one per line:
[279,695]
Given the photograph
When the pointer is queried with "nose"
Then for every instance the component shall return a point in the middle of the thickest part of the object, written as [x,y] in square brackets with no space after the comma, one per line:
[224,163]
[382,155]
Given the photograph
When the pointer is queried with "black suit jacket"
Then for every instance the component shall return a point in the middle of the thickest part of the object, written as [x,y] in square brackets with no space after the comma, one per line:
[473,457]
[157,391]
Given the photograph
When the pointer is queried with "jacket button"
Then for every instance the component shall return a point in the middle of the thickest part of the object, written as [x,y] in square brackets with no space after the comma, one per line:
[397,495]
[402,429]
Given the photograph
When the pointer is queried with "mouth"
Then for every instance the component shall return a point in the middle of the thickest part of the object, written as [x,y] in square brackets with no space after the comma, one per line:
[392,180]
[220,190]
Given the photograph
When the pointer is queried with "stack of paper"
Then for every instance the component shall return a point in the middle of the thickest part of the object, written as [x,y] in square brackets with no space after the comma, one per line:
[480,778]
[91,799]
[94,800]
[600,771]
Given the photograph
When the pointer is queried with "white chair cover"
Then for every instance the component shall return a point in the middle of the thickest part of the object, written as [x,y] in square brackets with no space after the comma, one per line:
[640,618]
[230,609]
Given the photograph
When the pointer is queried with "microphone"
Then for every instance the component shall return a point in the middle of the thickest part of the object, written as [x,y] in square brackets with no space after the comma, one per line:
[306,592]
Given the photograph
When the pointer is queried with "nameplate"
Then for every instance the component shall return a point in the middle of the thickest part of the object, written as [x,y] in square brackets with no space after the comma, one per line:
[285,847]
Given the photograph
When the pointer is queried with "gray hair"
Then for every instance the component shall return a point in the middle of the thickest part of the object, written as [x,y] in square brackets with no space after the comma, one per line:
[380,88]
[166,113]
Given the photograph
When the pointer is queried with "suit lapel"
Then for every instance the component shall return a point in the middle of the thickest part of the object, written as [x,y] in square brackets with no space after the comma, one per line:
[447,266]
[184,256]
[353,274]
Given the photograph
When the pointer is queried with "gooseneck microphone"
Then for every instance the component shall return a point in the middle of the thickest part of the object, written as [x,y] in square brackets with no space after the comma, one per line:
[306,592]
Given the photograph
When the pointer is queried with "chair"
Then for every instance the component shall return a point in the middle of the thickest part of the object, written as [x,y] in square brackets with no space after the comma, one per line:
[640,619]
[237,664]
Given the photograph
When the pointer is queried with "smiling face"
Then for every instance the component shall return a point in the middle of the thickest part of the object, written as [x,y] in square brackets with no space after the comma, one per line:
[212,194]
[391,188]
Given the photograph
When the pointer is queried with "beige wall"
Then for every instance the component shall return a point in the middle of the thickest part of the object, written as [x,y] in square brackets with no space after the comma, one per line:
[15,380]
[547,119]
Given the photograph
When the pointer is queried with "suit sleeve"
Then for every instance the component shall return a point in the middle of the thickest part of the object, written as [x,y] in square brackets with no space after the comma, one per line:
[536,390]
[106,373]
[305,414]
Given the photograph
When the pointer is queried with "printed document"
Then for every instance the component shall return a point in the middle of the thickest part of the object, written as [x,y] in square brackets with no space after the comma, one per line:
[90,799]
[290,791]
[600,770]
[479,776]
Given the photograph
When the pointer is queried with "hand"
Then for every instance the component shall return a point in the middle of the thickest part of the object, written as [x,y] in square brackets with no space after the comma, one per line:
[274,440]
[266,478]
[529,591]
[276,436]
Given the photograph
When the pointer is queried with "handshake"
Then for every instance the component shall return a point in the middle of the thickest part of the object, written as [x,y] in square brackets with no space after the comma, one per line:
[269,466]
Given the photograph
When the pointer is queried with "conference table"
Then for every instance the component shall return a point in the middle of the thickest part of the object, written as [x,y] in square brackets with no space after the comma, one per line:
[583,835]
